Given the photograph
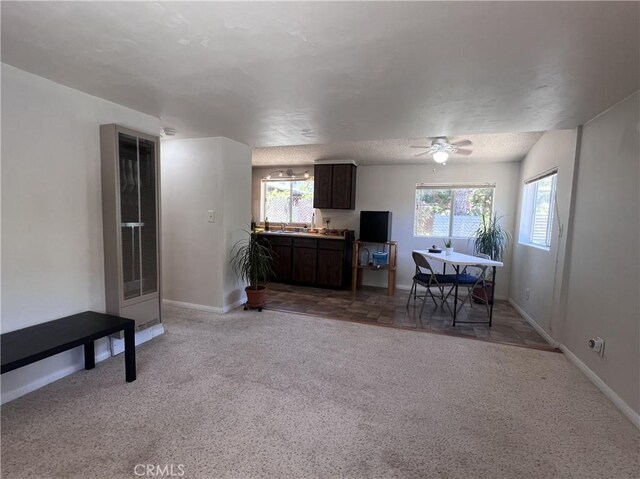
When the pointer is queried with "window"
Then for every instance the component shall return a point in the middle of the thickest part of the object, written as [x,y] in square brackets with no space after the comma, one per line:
[287,201]
[536,219]
[451,211]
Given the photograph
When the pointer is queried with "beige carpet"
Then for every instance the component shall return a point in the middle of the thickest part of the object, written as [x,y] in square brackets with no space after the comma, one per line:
[277,395]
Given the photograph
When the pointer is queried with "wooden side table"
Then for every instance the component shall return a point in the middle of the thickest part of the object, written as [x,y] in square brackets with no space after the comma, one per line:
[390,267]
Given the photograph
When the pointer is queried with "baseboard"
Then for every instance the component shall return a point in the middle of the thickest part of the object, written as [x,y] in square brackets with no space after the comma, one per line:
[197,307]
[49,378]
[539,329]
[117,344]
[238,303]
[624,408]
[204,307]
[633,416]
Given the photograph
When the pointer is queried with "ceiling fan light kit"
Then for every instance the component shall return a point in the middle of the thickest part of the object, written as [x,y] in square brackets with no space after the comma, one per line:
[440,156]
[441,148]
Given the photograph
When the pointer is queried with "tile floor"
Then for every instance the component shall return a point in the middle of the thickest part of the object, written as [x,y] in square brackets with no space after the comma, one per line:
[373,306]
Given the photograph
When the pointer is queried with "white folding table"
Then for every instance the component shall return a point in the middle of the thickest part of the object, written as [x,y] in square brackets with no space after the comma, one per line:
[456,260]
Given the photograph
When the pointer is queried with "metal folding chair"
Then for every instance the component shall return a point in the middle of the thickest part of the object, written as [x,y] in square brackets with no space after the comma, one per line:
[472,281]
[426,277]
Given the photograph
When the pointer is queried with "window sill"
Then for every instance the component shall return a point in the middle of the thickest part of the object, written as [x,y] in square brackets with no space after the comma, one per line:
[535,246]
[466,238]
[278,223]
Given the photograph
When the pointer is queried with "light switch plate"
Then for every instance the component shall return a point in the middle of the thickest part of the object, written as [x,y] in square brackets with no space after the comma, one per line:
[212,216]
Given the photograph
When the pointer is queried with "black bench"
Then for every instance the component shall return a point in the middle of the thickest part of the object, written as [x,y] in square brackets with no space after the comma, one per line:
[28,345]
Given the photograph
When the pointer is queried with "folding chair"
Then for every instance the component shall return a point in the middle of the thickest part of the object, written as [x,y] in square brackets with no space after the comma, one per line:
[429,279]
[472,281]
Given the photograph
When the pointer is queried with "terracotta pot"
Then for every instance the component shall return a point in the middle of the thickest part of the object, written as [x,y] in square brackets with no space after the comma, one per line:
[256,297]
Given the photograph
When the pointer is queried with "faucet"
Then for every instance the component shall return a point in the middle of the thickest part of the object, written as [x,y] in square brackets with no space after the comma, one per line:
[283,226]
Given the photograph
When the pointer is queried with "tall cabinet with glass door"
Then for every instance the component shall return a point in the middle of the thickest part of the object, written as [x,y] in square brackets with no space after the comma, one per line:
[131,222]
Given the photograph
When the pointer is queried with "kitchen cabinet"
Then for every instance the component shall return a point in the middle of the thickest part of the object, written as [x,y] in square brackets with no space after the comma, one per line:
[314,261]
[330,271]
[282,256]
[282,261]
[131,223]
[304,260]
[322,175]
[334,186]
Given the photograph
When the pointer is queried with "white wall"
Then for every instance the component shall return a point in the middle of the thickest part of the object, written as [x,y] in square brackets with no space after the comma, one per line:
[603,270]
[52,251]
[197,176]
[237,213]
[393,188]
[587,284]
[535,268]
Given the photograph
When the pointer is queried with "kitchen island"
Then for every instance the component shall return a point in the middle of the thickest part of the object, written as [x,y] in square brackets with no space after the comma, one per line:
[312,259]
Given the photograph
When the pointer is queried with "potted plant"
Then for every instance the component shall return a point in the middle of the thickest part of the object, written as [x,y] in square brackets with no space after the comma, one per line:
[251,262]
[448,246]
[492,239]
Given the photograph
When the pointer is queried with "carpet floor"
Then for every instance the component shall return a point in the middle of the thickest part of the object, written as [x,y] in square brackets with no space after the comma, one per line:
[279,395]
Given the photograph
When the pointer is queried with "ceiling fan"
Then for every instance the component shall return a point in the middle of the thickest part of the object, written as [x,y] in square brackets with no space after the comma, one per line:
[441,148]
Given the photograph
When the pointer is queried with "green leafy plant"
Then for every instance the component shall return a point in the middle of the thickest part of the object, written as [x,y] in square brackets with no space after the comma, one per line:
[251,261]
[448,243]
[492,238]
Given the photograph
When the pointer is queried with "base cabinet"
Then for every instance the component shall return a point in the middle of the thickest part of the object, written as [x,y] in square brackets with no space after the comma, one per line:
[311,261]
[304,265]
[281,252]
[329,271]
[282,262]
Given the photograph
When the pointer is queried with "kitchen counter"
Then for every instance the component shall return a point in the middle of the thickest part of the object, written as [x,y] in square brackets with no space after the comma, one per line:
[313,259]
[296,234]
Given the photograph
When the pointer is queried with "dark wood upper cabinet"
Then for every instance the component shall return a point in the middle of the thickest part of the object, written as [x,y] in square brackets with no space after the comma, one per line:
[322,186]
[335,186]
[343,187]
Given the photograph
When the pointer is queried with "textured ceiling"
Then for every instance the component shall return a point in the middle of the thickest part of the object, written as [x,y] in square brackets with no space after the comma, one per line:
[485,149]
[280,73]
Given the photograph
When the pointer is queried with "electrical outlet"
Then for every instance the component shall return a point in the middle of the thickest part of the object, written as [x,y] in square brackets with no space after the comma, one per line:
[596,345]
[527,294]
[212,216]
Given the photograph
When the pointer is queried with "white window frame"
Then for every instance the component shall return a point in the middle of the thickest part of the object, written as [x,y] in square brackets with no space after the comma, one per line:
[263,196]
[527,213]
[450,186]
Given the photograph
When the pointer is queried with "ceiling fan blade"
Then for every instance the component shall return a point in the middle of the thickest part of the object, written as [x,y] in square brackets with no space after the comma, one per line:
[419,147]
[424,153]
[461,143]
[462,151]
